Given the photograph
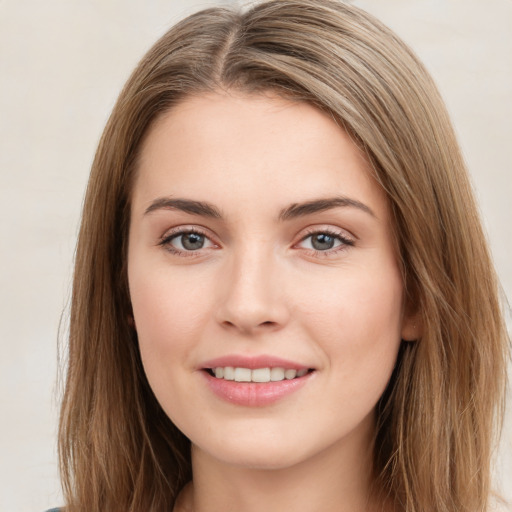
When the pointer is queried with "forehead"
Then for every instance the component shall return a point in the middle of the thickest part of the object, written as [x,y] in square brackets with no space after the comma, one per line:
[229,146]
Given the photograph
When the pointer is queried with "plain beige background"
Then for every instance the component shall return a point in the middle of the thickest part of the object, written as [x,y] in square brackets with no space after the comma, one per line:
[62,64]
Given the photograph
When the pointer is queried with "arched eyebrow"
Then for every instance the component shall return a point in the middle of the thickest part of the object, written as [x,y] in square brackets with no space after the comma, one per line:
[320,205]
[295,210]
[185,205]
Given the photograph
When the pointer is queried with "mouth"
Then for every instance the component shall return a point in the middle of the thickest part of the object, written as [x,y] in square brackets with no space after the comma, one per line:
[255,380]
[257,375]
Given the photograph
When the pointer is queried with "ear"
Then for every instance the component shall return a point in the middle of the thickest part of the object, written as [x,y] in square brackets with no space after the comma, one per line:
[131,321]
[412,326]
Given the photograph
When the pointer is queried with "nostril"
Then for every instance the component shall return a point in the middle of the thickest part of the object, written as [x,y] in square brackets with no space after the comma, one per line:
[267,324]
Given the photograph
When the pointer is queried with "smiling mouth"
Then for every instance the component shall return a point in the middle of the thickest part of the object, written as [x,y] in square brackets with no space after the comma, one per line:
[259,375]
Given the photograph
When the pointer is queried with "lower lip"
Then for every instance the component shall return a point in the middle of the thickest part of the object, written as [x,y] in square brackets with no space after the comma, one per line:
[254,394]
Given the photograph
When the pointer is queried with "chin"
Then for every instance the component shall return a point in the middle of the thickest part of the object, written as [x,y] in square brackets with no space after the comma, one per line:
[259,458]
[268,451]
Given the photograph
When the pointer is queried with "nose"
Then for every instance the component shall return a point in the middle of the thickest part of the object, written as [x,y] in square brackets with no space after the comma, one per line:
[252,298]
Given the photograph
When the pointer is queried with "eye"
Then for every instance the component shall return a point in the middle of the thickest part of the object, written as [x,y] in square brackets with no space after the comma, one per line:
[325,241]
[186,241]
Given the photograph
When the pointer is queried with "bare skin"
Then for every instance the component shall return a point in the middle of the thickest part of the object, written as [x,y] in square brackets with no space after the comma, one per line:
[257,230]
[305,487]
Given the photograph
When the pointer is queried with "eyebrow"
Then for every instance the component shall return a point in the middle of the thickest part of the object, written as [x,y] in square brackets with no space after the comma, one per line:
[293,211]
[185,205]
[320,205]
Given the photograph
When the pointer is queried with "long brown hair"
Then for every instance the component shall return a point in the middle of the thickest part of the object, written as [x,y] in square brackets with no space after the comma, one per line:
[437,419]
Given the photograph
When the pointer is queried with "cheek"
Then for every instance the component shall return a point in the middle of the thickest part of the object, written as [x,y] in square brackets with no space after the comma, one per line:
[169,315]
[169,311]
[357,321]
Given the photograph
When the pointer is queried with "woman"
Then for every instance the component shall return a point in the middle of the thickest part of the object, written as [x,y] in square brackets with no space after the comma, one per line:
[279,279]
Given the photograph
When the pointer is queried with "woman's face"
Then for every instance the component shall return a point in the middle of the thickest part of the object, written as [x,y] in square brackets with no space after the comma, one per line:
[261,250]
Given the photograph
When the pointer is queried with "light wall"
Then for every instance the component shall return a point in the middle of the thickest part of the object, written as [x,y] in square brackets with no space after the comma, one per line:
[62,64]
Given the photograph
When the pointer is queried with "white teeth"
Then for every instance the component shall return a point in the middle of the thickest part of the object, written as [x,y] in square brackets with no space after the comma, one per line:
[229,373]
[276,374]
[258,374]
[261,375]
[242,375]
[290,374]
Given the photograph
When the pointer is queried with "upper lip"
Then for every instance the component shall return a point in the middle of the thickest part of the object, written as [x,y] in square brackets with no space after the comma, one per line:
[252,362]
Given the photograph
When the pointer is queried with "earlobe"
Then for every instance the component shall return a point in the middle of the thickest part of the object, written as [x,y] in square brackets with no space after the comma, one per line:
[412,327]
[131,321]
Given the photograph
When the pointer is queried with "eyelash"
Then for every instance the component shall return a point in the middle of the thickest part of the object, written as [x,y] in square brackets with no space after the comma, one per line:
[337,235]
[168,238]
[345,242]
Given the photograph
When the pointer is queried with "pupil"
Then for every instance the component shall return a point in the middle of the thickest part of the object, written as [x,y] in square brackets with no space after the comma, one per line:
[322,242]
[192,241]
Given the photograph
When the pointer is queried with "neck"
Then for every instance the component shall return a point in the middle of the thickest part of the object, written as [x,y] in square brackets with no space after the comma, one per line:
[338,479]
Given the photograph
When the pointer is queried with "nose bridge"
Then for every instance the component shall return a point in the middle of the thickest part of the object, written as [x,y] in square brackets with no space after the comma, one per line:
[253,295]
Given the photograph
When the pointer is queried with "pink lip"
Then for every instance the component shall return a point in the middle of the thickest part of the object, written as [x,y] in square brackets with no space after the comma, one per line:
[252,394]
[252,362]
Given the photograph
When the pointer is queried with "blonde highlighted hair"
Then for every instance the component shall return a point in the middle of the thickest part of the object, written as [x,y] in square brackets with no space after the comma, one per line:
[438,418]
